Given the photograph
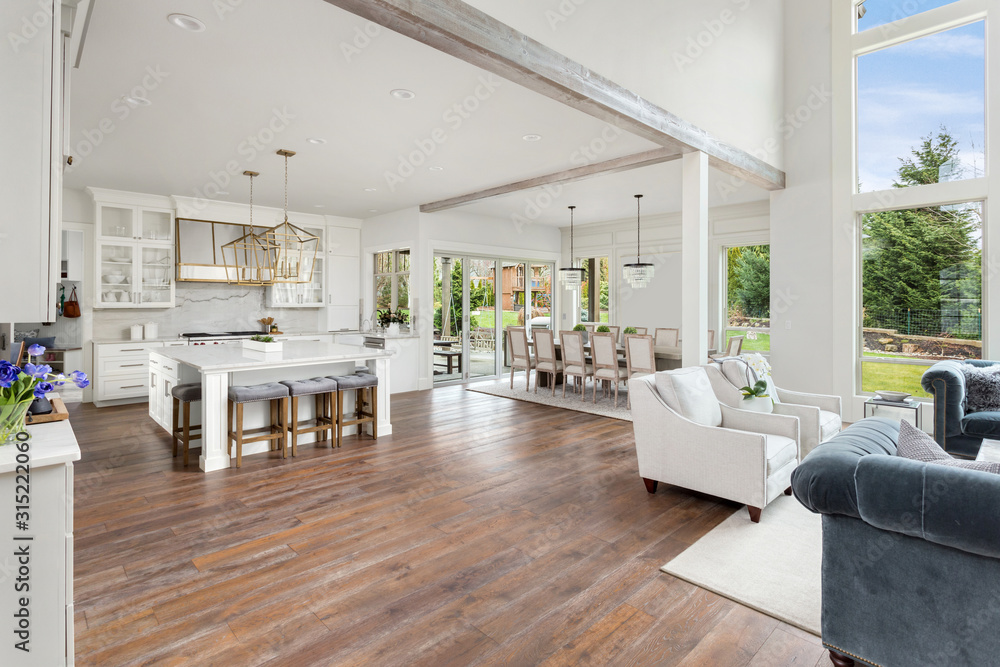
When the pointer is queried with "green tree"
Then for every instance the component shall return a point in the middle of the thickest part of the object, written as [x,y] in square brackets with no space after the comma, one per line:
[926,258]
[752,291]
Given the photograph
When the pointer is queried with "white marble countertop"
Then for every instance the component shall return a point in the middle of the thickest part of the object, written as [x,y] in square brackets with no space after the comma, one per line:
[177,338]
[52,443]
[293,353]
[386,335]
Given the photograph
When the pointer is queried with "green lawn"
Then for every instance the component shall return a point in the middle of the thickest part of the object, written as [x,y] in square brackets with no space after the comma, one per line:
[893,377]
[762,344]
[487,319]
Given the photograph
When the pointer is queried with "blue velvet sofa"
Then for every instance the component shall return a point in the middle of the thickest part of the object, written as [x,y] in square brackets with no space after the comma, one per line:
[911,553]
[959,433]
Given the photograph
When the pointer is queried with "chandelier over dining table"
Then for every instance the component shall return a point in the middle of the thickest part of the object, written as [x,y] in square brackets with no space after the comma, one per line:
[638,273]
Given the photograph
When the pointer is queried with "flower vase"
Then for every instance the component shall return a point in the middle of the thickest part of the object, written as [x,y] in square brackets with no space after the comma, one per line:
[757,404]
[393,329]
[12,416]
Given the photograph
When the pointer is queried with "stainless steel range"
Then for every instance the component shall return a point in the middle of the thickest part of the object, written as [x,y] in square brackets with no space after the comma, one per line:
[217,338]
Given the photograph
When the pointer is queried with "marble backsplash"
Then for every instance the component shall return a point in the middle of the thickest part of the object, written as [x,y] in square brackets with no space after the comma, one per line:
[209,307]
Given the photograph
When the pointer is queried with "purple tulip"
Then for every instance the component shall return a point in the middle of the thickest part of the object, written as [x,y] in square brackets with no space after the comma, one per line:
[83,384]
[42,388]
[39,372]
[79,378]
[36,350]
[8,373]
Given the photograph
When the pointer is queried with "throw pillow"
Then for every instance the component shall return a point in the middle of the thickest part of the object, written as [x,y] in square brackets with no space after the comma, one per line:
[695,396]
[917,445]
[762,369]
[982,388]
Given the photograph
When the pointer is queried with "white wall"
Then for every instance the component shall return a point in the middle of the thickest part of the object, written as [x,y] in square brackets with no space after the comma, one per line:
[714,63]
[659,305]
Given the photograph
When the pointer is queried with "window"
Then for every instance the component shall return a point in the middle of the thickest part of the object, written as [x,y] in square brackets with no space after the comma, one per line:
[595,300]
[920,121]
[392,280]
[748,297]
[877,13]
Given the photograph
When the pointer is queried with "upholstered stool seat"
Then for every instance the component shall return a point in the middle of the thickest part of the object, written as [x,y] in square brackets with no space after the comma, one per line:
[183,395]
[365,386]
[273,392]
[323,389]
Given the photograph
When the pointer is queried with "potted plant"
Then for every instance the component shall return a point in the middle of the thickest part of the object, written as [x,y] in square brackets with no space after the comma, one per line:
[583,330]
[603,329]
[261,343]
[629,331]
[19,387]
[390,321]
[755,398]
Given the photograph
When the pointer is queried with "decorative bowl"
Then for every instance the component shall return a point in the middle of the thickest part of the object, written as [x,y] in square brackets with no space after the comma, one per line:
[114,278]
[892,396]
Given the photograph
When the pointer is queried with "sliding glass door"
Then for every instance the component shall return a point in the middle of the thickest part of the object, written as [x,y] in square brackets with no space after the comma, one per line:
[476,299]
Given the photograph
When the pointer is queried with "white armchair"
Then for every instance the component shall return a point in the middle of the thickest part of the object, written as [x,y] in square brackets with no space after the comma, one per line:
[819,415]
[743,456]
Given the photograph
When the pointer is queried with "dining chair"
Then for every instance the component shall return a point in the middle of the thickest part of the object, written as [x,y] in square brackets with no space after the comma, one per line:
[545,357]
[606,368]
[590,326]
[733,348]
[642,331]
[616,332]
[521,357]
[574,361]
[639,357]
[668,337]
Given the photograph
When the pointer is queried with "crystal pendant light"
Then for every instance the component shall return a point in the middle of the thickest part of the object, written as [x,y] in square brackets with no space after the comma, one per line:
[639,273]
[571,277]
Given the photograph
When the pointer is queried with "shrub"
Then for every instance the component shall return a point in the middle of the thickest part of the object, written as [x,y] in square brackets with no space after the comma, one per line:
[579,327]
[630,330]
[603,329]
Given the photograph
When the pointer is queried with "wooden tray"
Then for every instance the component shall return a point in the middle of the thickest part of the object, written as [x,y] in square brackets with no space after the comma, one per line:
[59,413]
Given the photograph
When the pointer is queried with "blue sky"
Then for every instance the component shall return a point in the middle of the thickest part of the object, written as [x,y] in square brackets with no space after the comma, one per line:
[908,91]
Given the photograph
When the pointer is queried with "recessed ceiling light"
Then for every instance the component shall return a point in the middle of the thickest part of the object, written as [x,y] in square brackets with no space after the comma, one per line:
[319,205]
[316,140]
[186,22]
[373,210]
[436,168]
[402,94]
[532,137]
[222,192]
[136,101]
[369,189]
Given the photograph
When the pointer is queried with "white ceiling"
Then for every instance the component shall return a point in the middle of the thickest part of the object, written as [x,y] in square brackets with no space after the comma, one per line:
[221,86]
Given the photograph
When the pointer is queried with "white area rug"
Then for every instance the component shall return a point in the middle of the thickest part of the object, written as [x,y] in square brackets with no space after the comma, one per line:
[604,407]
[773,566]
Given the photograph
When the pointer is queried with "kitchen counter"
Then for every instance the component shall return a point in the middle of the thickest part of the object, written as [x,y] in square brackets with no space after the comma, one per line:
[217,367]
[178,337]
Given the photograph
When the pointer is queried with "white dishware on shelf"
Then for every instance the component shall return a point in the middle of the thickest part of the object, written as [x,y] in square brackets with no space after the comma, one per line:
[114,278]
[124,296]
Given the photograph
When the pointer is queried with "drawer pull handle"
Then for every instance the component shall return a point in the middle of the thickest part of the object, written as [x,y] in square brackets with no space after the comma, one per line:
[130,365]
[133,386]
[133,349]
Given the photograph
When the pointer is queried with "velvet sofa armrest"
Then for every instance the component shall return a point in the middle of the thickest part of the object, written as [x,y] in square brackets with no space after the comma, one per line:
[945,381]
[953,507]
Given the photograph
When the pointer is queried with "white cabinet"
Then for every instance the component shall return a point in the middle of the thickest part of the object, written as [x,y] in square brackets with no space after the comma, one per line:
[343,285]
[303,295]
[164,375]
[71,267]
[122,371]
[134,257]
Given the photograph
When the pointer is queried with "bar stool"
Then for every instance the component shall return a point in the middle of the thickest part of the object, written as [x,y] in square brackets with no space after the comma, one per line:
[277,395]
[323,389]
[366,387]
[186,394]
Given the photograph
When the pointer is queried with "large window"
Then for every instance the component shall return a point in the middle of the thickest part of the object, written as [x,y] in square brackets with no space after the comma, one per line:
[595,297]
[392,280]
[921,121]
[748,296]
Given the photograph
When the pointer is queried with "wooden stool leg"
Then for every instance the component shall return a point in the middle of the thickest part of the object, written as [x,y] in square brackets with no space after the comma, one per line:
[229,428]
[375,413]
[273,407]
[239,435]
[284,432]
[293,423]
[340,417]
[187,430]
[174,431]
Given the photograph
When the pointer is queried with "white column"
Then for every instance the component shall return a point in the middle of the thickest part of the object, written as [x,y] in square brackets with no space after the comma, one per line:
[384,416]
[694,261]
[215,397]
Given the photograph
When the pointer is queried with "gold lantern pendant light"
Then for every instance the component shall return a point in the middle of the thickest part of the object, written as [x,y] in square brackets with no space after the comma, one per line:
[571,277]
[296,248]
[249,260]
[639,273]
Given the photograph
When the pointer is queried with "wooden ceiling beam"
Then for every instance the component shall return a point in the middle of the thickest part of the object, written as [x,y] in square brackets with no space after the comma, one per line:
[462,31]
[635,161]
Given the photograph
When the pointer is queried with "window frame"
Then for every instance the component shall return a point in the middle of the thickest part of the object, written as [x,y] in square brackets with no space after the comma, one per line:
[393,275]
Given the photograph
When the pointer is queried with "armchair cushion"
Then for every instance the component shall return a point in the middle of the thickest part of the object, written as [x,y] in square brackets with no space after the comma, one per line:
[695,396]
[780,450]
[982,388]
[829,425]
[982,424]
[917,445]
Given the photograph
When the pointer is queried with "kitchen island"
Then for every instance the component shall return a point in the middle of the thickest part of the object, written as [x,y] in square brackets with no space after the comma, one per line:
[219,367]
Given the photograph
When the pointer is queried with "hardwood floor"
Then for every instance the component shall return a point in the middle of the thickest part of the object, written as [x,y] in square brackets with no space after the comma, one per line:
[485,531]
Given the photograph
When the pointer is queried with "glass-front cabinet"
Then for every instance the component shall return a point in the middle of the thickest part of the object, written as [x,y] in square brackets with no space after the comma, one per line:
[308,294]
[135,257]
